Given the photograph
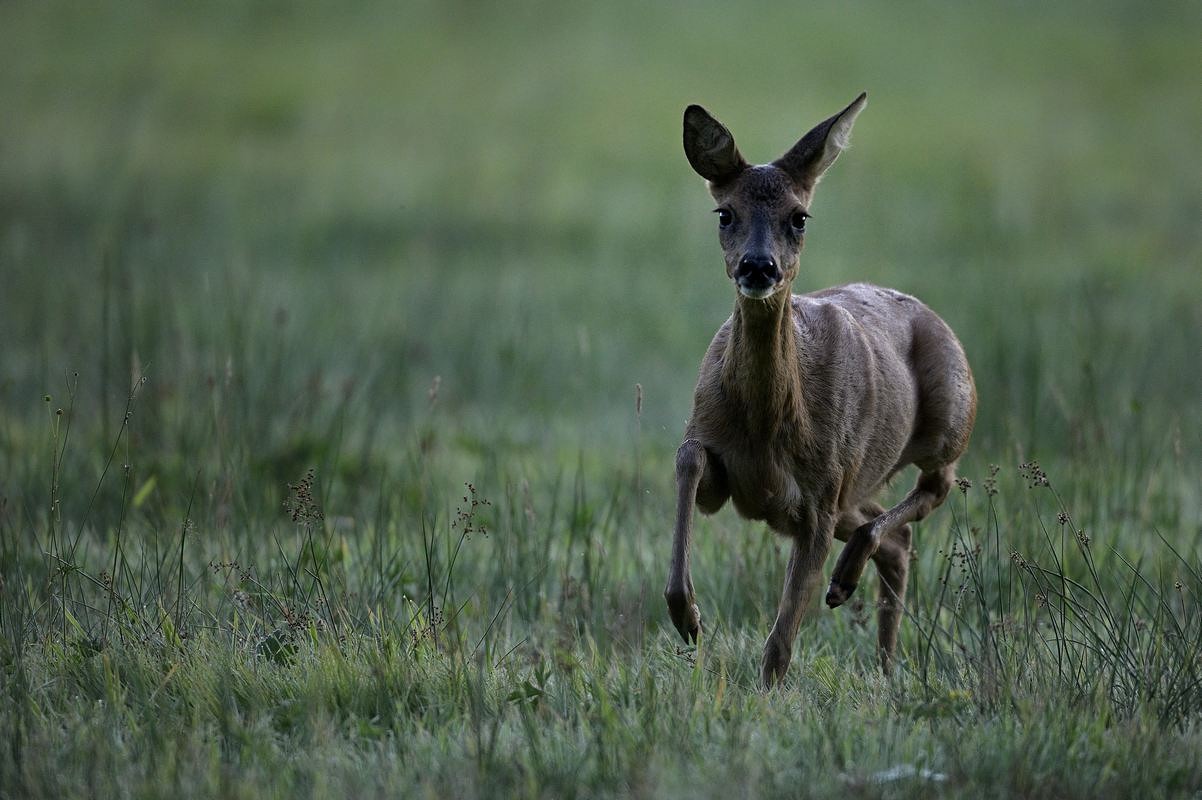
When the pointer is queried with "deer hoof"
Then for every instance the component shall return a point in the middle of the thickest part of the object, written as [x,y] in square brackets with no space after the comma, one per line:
[686,616]
[775,664]
[690,626]
[838,593]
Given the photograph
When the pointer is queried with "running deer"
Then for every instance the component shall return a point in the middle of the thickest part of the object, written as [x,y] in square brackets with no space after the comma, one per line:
[807,404]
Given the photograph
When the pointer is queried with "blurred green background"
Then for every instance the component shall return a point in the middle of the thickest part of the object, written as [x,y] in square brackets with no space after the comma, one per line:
[380,193]
[295,219]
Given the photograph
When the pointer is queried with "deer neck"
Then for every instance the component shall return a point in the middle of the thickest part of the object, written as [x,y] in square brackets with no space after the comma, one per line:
[762,367]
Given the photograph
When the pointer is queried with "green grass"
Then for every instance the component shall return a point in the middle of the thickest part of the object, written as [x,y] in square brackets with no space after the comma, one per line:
[414,248]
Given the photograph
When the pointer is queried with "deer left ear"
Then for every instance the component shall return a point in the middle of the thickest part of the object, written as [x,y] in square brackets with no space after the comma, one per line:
[710,148]
[817,150]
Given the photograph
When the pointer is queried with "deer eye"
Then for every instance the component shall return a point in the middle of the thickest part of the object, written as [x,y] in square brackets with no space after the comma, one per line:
[725,217]
[797,220]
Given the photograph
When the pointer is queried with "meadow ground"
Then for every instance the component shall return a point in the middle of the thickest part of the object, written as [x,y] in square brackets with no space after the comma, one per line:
[321,470]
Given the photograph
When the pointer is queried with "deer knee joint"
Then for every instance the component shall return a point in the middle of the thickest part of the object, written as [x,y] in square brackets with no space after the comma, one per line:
[867,535]
[690,460]
[937,484]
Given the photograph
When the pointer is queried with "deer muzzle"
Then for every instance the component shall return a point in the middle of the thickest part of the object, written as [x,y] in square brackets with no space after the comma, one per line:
[757,276]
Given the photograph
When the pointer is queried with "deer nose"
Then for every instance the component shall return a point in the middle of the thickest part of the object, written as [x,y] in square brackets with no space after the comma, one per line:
[758,267]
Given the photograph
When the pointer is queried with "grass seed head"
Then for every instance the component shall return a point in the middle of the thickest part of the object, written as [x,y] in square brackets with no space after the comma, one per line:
[1033,474]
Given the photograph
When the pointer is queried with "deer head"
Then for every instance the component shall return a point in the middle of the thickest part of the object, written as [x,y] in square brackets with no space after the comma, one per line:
[762,210]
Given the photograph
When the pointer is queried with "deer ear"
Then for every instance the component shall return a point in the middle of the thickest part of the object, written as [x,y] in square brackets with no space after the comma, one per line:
[809,158]
[709,147]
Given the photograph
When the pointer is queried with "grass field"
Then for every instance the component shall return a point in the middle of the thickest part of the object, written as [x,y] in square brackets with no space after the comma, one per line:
[321,468]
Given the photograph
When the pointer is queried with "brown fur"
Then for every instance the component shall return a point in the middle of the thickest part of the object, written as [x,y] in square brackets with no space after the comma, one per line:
[806,404]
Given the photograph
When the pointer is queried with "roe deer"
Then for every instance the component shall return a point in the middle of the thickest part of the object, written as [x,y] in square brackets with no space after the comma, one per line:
[807,404]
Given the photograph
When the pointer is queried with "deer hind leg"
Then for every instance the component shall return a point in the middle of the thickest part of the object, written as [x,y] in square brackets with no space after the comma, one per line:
[925,497]
[892,560]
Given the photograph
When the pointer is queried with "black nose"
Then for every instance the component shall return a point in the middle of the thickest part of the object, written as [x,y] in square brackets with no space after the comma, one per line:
[758,268]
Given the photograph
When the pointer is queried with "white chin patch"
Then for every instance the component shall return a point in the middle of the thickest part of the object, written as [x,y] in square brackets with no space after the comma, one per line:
[758,294]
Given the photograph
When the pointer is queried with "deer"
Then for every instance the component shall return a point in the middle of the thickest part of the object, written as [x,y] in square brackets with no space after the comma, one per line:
[807,405]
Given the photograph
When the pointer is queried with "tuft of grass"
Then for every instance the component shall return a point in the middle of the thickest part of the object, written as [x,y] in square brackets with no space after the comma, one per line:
[510,648]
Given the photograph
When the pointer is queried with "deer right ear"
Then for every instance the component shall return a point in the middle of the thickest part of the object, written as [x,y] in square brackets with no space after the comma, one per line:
[709,147]
[809,158]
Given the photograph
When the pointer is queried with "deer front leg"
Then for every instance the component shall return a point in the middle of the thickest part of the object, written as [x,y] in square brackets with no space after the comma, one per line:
[810,547]
[699,478]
